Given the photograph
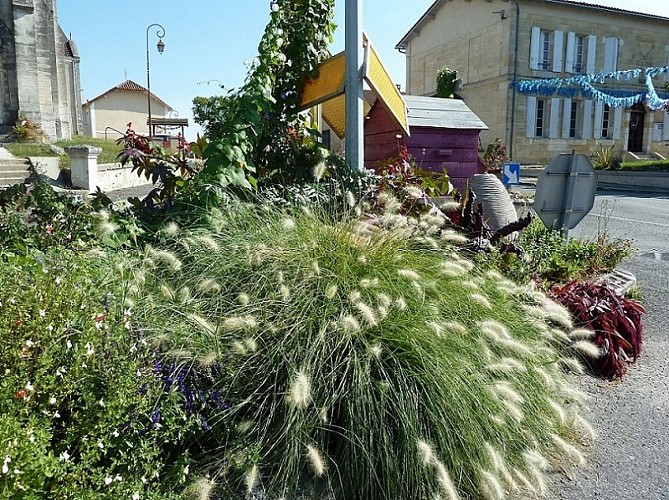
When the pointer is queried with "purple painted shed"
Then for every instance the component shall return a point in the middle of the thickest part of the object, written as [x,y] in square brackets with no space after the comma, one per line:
[444,135]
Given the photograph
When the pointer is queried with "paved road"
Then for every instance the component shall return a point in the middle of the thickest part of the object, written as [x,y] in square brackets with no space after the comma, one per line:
[630,458]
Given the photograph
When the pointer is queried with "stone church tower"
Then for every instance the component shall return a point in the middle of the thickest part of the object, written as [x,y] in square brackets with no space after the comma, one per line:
[39,70]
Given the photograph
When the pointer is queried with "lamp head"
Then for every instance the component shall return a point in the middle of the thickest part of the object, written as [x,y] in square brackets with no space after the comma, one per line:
[161,46]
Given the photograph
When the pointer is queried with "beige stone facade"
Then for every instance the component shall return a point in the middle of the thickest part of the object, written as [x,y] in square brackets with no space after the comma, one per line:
[492,43]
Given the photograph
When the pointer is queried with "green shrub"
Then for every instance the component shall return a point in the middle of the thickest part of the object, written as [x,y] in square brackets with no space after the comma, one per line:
[605,158]
[355,365]
[27,130]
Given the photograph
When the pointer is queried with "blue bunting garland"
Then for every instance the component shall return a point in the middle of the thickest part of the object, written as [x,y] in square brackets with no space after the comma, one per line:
[615,98]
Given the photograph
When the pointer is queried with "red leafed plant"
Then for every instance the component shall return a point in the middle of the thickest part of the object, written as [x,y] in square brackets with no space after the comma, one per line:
[615,319]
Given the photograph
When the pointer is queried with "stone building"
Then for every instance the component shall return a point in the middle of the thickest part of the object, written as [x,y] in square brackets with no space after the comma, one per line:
[494,43]
[39,75]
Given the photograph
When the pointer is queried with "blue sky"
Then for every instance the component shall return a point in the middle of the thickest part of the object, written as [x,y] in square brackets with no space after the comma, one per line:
[212,39]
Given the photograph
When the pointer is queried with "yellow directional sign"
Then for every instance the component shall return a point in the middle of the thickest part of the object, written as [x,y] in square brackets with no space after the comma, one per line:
[328,89]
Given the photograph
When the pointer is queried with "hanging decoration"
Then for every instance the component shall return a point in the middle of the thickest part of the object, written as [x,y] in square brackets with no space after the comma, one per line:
[584,84]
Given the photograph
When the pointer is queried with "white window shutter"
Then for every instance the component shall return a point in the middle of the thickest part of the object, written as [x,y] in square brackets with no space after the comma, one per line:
[570,51]
[599,114]
[566,117]
[587,120]
[617,122]
[558,51]
[592,53]
[665,126]
[554,119]
[531,123]
[535,47]
[610,54]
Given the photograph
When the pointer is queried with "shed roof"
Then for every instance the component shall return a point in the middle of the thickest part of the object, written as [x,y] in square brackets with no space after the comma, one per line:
[441,113]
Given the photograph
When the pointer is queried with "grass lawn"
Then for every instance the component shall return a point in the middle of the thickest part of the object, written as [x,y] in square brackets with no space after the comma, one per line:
[646,166]
[109,149]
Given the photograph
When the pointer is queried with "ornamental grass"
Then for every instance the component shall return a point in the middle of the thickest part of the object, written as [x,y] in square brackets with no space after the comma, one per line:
[358,361]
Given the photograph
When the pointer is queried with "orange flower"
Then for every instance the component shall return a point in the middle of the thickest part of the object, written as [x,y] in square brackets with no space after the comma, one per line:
[20,394]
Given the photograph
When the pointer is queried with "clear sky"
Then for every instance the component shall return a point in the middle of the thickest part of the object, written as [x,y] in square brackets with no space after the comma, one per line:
[212,39]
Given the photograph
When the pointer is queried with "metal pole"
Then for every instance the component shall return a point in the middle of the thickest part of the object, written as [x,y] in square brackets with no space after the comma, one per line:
[354,97]
[568,203]
[160,33]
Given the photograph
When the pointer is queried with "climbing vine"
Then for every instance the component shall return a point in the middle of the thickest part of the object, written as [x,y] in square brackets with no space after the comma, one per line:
[446,82]
[256,133]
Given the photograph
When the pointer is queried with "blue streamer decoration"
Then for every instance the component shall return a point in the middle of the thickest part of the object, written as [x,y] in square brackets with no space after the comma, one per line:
[585,85]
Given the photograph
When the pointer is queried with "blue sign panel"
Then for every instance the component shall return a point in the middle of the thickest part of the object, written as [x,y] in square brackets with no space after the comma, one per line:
[511,173]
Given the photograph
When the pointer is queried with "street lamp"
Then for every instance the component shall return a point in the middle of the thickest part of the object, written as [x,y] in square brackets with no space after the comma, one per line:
[207,82]
[160,33]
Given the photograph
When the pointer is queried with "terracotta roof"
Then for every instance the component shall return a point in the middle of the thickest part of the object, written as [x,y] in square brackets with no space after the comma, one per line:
[131,86]
[432,10]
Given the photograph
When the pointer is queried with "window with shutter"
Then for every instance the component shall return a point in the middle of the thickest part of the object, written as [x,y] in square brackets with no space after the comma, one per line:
[566,118]
[591,54]
[558,51]
[610,54]
[531,120]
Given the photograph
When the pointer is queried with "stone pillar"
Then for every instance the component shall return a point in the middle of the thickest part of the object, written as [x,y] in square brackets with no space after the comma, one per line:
[84,166]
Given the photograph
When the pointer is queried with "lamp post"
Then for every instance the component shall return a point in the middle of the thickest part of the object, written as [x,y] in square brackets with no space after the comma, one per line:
[160,33]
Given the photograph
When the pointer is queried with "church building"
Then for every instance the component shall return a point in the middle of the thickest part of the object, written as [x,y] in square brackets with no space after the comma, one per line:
[39,74]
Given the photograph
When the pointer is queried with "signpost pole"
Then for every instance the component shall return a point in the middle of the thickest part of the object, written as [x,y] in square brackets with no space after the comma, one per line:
[568,207]
[354,93]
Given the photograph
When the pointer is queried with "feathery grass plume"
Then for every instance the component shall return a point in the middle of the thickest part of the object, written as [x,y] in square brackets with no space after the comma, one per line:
[369,282]
[331,292]
[582,425]
[239,323]
[385,300]
[171,229]
[456,327]
[426,452]
[571,394]
[569,449]
[414,192]
[513,410]
[507,365]
[319,170]
[284,291]
[96,253]
[435,327]
[533,457]
[201,489]
[279,277]
[367,313]
[315,268]
[499,465]
[560,335]
[581,333]
[400,303]
[572,365]
[362,259]
[495,275]
[168,292]
[494,330]
[202,323]
[533,311]
[383,312]
[452,269]
[485,350]
[355,296]
[505,391]
[208,360]
[102,214]
[480,299]
[208,242]
[376,350]
[445,481]
[558,410]
[288,224]
[538,481]
[507,288]
[497,420]
[490,487]
[350,199]
[523,480]
[472,284]
[516,346]
[243,299]
[409,273]
[209,285]
[315,461]
[349,323]
[587,348]
[557,313]
[545,377]
[251,344]
[170,259]
[467,265]
[453,237]
[106,228]
[251,479]
[184,295]
[300,390]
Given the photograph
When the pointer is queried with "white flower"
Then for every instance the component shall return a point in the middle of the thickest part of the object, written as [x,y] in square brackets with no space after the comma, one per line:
[186,470]
[68,344]
[118,478]
[52,400]
[56,414]
[101,445]
[89,347]
[5,469]
[42,312]
[108,481]
[115,433]
[101,402]
[135,495]
[64,457]
[58,280]
[29,387]
[29,343]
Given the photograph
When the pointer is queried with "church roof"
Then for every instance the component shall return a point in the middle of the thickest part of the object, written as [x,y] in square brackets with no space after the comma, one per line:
[133,87]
